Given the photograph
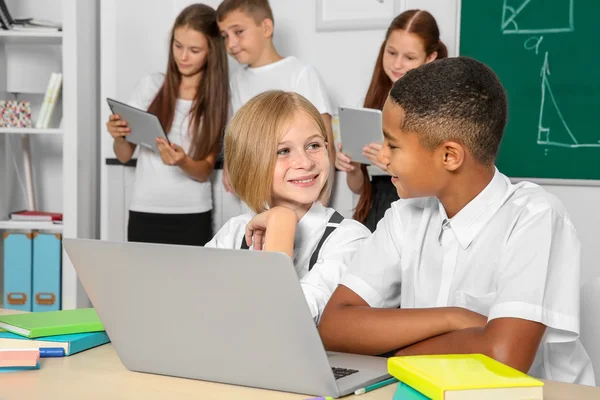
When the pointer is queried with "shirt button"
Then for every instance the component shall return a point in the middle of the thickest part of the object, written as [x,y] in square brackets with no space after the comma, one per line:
[320,260]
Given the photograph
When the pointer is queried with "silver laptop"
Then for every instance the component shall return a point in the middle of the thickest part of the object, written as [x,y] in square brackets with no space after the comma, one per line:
[145,127]
[230,316]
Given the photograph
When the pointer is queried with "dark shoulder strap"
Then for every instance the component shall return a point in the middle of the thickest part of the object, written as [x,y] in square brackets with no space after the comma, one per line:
[335,221]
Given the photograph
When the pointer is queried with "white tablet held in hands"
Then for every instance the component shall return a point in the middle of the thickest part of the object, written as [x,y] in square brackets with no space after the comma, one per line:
[359,127]
[145,127]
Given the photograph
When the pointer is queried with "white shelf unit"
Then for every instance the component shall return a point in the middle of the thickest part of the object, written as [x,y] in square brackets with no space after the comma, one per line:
[30,37]
[31,226]
[31,131]
[64,159]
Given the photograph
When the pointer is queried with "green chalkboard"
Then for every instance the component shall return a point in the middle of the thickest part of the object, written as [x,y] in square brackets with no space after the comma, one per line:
[547,55]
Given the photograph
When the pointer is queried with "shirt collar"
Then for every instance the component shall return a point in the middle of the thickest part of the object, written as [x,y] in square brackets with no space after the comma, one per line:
[476,214]
[315,216]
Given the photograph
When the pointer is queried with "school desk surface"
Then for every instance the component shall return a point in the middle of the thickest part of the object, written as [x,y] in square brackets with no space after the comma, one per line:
[98,374]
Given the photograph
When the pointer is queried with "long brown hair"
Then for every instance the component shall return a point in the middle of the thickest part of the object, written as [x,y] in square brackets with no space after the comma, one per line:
[422,24]
[208,114]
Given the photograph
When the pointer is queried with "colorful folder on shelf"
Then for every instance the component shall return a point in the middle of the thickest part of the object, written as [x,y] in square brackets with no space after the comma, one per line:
[18,251]
[464,377]
[38,324]
[72,344]
[46,263]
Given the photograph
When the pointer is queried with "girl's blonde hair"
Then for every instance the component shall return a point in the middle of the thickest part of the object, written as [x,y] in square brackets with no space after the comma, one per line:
[251,141]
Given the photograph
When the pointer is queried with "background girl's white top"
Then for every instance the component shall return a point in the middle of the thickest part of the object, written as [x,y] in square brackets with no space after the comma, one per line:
[336,253]
[161,188]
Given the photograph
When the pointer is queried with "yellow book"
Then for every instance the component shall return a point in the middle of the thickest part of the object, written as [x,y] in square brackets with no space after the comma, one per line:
[464,377]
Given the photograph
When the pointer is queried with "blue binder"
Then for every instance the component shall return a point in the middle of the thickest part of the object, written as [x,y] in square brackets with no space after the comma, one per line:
[46,271]
[17,271]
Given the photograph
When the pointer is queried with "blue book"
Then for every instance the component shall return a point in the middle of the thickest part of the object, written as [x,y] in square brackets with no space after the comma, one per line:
[17,369]
[73,343]
[405,392]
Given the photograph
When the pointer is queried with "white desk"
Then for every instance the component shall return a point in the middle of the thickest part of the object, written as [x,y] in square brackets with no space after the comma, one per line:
[98,374]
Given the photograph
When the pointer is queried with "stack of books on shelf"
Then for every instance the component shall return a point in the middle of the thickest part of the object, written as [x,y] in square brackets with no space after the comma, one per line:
[38,216]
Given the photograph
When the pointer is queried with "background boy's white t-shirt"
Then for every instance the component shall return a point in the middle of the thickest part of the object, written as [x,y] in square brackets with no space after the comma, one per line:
[160,188]
[289,74]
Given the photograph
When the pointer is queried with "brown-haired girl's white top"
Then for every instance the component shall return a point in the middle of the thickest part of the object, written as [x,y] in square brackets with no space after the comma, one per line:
[172,192]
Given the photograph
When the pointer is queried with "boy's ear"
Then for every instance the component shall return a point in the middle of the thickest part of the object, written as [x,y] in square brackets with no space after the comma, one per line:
[453,155]
[431,57]
[267,27]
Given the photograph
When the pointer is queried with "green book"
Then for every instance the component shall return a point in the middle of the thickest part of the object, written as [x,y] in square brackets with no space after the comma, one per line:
[48,323]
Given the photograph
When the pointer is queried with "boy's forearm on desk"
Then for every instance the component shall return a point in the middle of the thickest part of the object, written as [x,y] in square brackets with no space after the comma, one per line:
[367,330]
[511,341]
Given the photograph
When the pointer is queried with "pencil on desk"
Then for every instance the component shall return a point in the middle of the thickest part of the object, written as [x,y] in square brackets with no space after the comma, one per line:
[375,386]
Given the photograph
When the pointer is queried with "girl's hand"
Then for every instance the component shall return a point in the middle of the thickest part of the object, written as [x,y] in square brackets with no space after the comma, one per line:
[276,219]
[371,151]
[342,161]
[170,154]
[117,127]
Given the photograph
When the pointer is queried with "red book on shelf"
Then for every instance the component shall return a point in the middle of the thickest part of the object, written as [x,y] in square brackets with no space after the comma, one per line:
[35,216]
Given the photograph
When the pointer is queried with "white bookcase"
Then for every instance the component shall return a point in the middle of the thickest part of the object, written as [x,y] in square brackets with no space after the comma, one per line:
[64,156]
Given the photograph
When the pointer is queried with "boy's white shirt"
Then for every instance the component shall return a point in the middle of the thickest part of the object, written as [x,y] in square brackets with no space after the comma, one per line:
[160,188]
[289,74]
[336,253]
[511,252]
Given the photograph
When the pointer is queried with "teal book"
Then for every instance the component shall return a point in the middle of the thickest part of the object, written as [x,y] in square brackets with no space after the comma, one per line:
[72,344]
[17,369]
[405,392]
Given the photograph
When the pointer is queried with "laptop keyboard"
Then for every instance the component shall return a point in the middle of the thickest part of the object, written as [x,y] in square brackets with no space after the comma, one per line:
[342,372]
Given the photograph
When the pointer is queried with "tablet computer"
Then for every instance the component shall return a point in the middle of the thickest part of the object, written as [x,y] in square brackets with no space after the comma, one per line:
[145,127]
[359,127]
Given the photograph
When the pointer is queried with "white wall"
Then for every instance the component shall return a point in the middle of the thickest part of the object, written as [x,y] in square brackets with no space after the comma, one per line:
[135,43]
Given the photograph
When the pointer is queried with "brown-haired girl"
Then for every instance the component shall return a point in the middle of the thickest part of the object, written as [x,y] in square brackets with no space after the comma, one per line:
[172,196]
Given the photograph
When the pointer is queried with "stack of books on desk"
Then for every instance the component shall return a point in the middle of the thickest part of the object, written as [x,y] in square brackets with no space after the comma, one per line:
[460,377]
[72,331]
[19,359]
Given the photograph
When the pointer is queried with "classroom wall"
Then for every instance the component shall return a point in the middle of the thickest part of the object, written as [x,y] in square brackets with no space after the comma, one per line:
[134,43]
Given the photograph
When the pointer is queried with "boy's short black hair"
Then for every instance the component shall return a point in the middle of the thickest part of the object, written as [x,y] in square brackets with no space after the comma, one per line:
[259,10]
[458,99]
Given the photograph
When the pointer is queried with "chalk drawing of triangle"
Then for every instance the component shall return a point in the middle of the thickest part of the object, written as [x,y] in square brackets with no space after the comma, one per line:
[553,129]
[529,17]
